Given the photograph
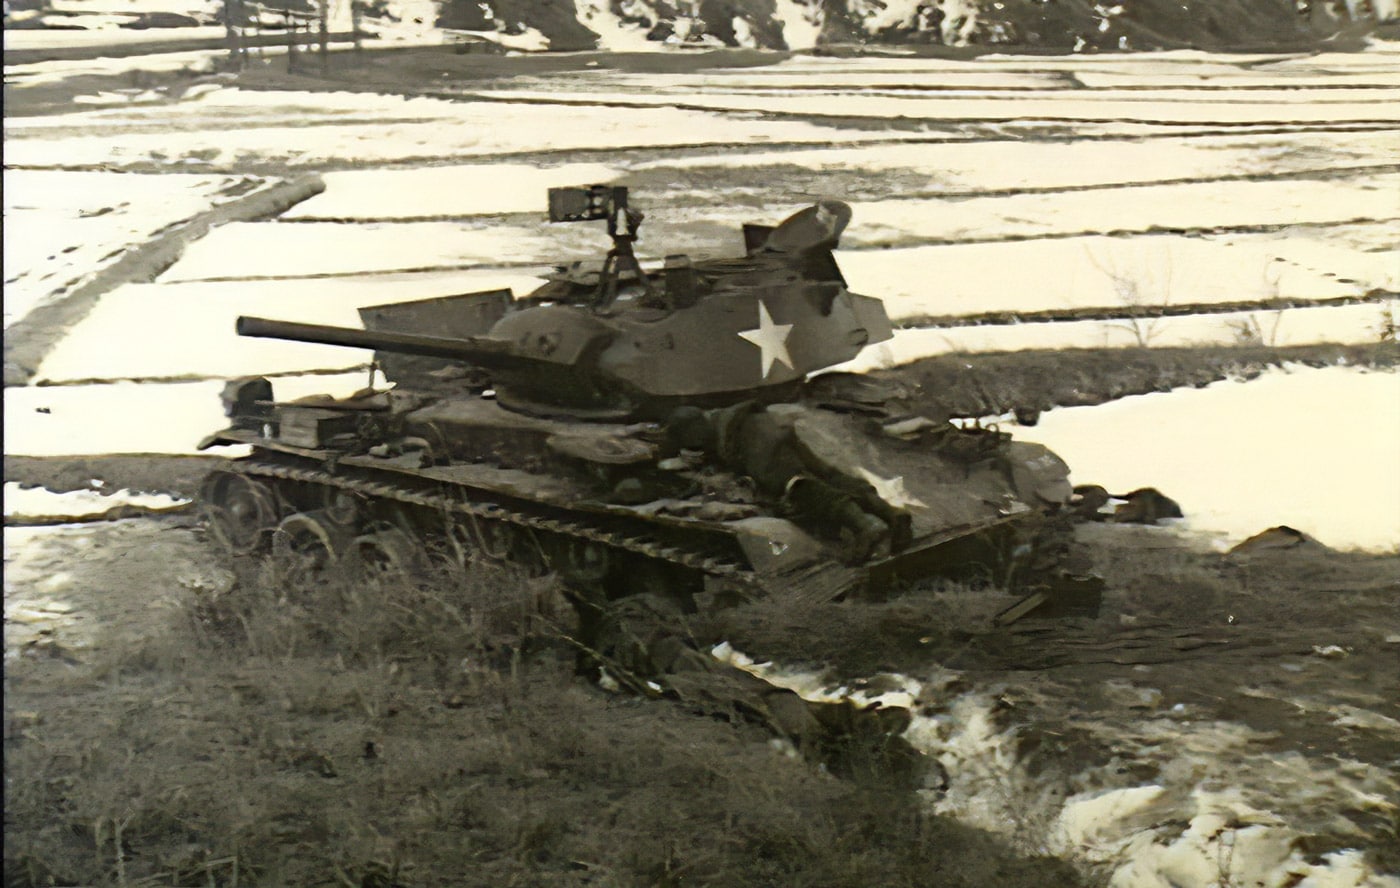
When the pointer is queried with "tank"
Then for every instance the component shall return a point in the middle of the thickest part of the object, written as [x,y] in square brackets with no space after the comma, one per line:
[677,431]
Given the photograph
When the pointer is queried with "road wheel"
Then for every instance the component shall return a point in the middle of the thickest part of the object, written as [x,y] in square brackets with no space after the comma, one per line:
[309,544]
[386,554]
[241,511]
[340,506]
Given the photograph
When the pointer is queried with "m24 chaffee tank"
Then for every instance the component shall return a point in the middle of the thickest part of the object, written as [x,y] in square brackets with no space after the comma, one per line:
[637,431]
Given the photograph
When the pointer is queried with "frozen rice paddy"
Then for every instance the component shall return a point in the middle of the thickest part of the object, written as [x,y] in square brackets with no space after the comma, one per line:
[1219,451]
[1064,194]
[61,227]
[1223,181]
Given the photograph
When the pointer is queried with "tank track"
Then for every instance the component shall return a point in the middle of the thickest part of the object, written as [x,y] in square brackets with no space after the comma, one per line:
[381,490]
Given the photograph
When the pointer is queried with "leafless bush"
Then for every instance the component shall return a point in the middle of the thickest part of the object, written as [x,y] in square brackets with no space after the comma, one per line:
[1388,327]
[1250,331]
[1140,291]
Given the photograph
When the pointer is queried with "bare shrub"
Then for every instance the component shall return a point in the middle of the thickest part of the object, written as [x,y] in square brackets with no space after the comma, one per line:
[1140,292]
[1250,331]
[1388,326]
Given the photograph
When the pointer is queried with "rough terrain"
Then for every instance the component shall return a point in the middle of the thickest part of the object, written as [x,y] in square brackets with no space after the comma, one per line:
[1224,720]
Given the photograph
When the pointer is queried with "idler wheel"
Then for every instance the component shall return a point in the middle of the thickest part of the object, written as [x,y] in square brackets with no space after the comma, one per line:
[386,554]
[241,511]
[310,543]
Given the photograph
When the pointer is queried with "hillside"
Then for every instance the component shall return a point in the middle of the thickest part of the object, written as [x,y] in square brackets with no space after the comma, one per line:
[1083,25]
[913,25]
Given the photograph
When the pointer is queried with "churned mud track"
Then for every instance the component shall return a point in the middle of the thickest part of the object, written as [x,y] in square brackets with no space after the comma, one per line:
[29,339]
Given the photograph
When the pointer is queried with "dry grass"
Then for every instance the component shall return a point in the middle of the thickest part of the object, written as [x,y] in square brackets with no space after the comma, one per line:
[402,735]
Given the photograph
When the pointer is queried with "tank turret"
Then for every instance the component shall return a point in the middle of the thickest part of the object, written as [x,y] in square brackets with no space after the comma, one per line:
[620,342]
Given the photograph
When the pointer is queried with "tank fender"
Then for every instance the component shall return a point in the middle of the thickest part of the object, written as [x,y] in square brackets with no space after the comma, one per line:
[1037,473]
[775,544]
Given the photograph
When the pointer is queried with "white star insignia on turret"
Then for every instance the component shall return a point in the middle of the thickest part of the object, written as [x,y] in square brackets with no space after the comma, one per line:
[892,491]
[771,340]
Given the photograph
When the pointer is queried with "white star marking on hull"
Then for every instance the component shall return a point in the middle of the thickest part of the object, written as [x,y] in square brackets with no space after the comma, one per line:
[771,340]
[892,491]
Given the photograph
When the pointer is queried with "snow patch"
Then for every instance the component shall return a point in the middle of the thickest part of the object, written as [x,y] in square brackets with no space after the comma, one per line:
[614,34]
[406,21]
[802,22]
[474,189]
[41,504]
[1134,833]
[62,227]
[743,33]
[103,346]
[129,417]
[1244,456]
[1113,273]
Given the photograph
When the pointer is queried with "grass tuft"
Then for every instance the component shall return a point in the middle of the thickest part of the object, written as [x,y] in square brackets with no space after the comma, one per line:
[386,734]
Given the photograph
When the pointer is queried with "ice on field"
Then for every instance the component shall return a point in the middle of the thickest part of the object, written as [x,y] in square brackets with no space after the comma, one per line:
[233,124]
[1143,208]
[1244,456]
[100,348]
[461,190]
[128,417]
[286,249]
[1114,274]
[61,227]
[1102,108]
[1010,164]
[38,503]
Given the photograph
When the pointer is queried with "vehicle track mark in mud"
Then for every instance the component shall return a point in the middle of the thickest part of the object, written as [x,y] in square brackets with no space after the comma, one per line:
[32,337]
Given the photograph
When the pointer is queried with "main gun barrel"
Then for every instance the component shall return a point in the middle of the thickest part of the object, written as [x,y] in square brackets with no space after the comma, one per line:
[484,352]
